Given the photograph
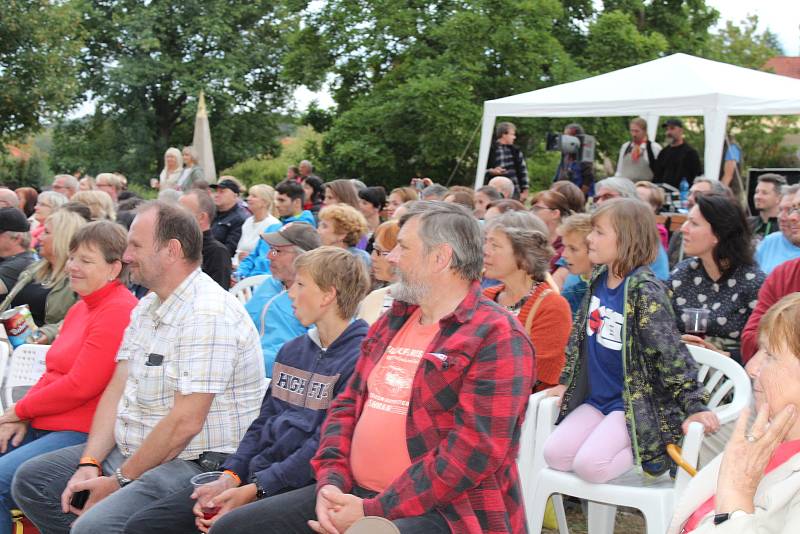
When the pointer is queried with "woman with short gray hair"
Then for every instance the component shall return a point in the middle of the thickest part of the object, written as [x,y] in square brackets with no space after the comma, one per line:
[517,252]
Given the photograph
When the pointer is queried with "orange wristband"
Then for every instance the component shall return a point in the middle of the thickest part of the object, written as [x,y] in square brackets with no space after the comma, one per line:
[89,460]
[234,475]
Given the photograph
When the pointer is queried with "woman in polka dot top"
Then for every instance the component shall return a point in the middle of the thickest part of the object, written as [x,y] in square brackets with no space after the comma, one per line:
[721,275]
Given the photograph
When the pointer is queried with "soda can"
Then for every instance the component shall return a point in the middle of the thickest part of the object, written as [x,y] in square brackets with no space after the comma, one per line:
[19,324]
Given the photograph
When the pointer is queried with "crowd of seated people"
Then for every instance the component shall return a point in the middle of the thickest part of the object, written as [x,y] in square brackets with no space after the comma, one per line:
[382,365]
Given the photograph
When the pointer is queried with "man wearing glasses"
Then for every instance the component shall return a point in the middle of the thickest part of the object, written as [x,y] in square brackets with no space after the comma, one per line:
[66,184]
[270,306]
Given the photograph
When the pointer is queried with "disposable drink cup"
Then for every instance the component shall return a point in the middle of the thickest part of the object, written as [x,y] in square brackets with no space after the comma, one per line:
[695,321]
[201,480]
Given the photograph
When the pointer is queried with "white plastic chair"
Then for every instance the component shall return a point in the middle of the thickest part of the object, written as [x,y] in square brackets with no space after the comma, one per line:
[528,464]
[243,290]
[26,367]
[5,350]
[655,498]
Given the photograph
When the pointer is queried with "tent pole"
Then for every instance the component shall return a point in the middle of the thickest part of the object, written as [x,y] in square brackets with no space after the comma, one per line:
[715,122]
[487,133]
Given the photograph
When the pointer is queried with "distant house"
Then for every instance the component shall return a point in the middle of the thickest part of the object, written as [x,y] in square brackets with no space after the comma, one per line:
[784,65]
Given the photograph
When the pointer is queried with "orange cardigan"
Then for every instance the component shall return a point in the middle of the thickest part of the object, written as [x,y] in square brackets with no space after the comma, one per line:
[549,332]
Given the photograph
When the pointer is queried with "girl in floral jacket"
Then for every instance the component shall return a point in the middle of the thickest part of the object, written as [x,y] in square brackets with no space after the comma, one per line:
[629,385]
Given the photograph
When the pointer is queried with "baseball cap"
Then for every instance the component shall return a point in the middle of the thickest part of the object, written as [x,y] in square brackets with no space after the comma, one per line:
[673,122]
[13,220]
[299,234]
[226,184]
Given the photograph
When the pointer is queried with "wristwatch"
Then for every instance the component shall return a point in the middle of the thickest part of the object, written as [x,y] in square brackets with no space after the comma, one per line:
[721,518]
[260,492]
[122,480]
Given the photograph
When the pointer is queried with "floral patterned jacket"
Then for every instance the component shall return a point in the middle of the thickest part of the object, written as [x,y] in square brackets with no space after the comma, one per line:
[660,386]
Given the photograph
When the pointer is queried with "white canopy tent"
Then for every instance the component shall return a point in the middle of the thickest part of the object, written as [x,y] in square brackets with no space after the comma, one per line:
[676,85]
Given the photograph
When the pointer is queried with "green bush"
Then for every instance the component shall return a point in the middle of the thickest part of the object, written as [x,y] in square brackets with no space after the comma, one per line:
[271,170]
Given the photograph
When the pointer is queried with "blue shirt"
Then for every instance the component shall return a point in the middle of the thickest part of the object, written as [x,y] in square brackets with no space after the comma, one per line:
[574,290]
[774,250]
[604,342]
[271,310]
[660,267]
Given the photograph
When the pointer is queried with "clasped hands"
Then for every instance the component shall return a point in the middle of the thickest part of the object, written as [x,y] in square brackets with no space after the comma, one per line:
[336,511]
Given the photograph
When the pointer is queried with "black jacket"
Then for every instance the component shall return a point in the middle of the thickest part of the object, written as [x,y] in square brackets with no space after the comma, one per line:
[216,260]
[227,227]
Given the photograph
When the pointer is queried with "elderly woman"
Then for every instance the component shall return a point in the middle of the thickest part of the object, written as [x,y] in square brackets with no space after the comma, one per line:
[517,253]
[260,202]
[44,285]
[192,172]
[172,171]
[381,299]
[722,275]
[46,203]
[57,411]
[343,226]
[754,486]
[99,203]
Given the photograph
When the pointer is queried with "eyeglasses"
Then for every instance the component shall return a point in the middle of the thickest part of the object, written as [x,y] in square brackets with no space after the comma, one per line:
[537,207]
[380,253]
[276,251]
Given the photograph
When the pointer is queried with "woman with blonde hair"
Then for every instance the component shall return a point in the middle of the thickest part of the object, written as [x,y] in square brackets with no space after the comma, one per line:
[343,226]
[261,203]
[44,285]
[46,203]
[99,203]
[171,173]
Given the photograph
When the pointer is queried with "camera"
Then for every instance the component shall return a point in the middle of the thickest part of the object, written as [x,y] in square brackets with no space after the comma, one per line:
[582,146]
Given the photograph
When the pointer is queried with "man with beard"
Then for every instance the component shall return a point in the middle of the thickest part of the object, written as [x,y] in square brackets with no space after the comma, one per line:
[426,433]
[188,383]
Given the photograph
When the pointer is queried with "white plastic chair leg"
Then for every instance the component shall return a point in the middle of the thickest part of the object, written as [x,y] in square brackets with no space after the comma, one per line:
[561,516]
[657,516]
[535,512]
[601,518]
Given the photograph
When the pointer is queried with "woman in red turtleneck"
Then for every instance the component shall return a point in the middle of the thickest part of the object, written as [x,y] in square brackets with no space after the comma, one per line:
[57,412]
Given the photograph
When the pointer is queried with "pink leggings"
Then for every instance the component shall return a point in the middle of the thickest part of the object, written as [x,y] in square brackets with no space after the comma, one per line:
[595,446]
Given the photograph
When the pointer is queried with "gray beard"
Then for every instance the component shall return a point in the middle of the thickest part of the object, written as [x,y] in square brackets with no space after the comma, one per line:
[409,291]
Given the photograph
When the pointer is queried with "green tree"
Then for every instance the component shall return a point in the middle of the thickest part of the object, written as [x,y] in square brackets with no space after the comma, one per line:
[147,62]
[410,78]
[39,48]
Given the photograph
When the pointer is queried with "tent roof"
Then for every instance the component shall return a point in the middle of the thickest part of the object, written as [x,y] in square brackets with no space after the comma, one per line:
[679,84]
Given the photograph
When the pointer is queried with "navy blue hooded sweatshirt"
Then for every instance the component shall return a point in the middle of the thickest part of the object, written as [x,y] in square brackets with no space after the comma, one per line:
[280,443]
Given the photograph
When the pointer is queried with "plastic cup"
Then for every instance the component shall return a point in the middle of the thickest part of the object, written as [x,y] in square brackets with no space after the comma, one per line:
[695,321]
[203,479]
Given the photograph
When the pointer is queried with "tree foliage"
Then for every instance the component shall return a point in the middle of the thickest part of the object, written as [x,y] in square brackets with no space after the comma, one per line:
[147,62]
[39,46]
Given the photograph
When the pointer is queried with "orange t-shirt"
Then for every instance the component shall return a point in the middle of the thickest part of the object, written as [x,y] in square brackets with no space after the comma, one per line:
[379,453]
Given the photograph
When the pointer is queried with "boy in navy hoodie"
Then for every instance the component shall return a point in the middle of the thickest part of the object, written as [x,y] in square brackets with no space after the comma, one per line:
[309,372]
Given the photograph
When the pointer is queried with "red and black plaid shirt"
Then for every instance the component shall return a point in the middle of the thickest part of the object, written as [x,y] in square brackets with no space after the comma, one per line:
[464,420]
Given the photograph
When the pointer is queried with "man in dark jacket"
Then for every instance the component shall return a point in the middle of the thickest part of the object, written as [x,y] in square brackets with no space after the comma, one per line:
[216,260]
[678,159]
[227,225]
[310,371]
[507,160]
